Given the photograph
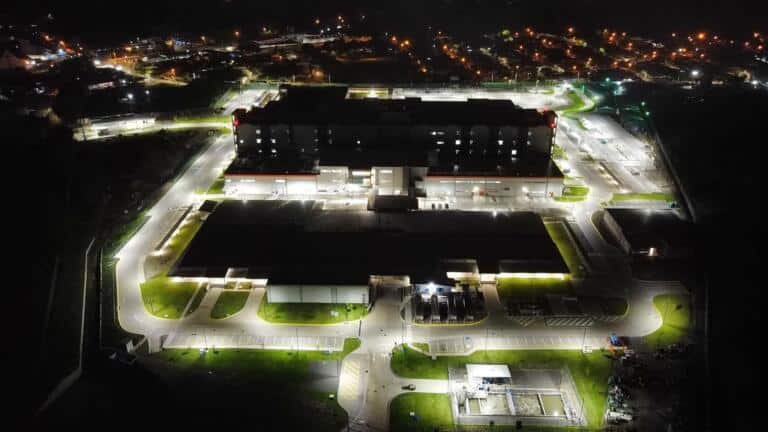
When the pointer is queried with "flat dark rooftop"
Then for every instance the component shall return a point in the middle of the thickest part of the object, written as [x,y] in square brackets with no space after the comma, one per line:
[643,228]
[295,242]
[327,105]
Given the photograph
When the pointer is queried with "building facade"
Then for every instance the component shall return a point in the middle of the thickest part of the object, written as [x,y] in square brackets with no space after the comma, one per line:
[314,141]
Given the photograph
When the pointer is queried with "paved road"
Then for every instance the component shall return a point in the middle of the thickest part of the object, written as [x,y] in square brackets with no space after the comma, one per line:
[92,135]
[202,173]
[245,99]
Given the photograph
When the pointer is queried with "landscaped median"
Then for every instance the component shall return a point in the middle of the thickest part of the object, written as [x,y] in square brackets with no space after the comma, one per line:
[655,196]
[675,311]
[558,152]
[162,296]
[217,188]
[225,120]
[559,234]
[573,193]
[160,262]
[281,383]
[578,103]
[590,373]
[310,313]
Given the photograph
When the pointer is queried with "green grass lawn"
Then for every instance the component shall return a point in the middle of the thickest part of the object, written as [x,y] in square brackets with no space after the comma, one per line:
[590,371]
[566,247]
[574,190]
[433,412]
[196,301]
[204,119]
[267,362]
[184,234]
[675,310]
[229,303]
[576,105]
[558,152]
[530,287]
[657,196]
[167,299]
[570,198]
[310,313]
[277,381]
[217,188]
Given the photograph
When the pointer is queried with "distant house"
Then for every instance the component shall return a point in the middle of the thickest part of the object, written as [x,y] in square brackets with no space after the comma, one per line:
[10,61]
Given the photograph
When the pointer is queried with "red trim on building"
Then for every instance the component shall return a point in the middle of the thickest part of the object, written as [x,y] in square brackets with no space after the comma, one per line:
[488,177]
[309,176]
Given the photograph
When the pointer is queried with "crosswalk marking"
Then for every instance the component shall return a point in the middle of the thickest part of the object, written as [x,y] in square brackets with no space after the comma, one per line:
[570,322]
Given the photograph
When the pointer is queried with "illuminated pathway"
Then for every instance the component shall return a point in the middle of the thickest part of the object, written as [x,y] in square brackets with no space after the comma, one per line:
[129,271]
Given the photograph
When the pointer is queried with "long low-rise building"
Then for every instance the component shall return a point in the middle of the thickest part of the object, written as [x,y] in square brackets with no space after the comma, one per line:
[316,141]
[305,254]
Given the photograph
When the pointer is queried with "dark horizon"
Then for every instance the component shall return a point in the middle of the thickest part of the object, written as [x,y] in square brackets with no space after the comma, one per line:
[92,19]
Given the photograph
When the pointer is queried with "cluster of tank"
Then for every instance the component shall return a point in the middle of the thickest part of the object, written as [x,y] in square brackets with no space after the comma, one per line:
[450,307]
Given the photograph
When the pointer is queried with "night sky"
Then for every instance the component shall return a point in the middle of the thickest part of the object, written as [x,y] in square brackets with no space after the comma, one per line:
[106,19]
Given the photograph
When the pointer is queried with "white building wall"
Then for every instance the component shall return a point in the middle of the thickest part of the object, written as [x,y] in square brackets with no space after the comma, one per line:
[317,294]
[442,187]
[301,186]
[253,186]
[390,180]
[270,185]
[332,179]
[393,181]
[283,293]
[352,294]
